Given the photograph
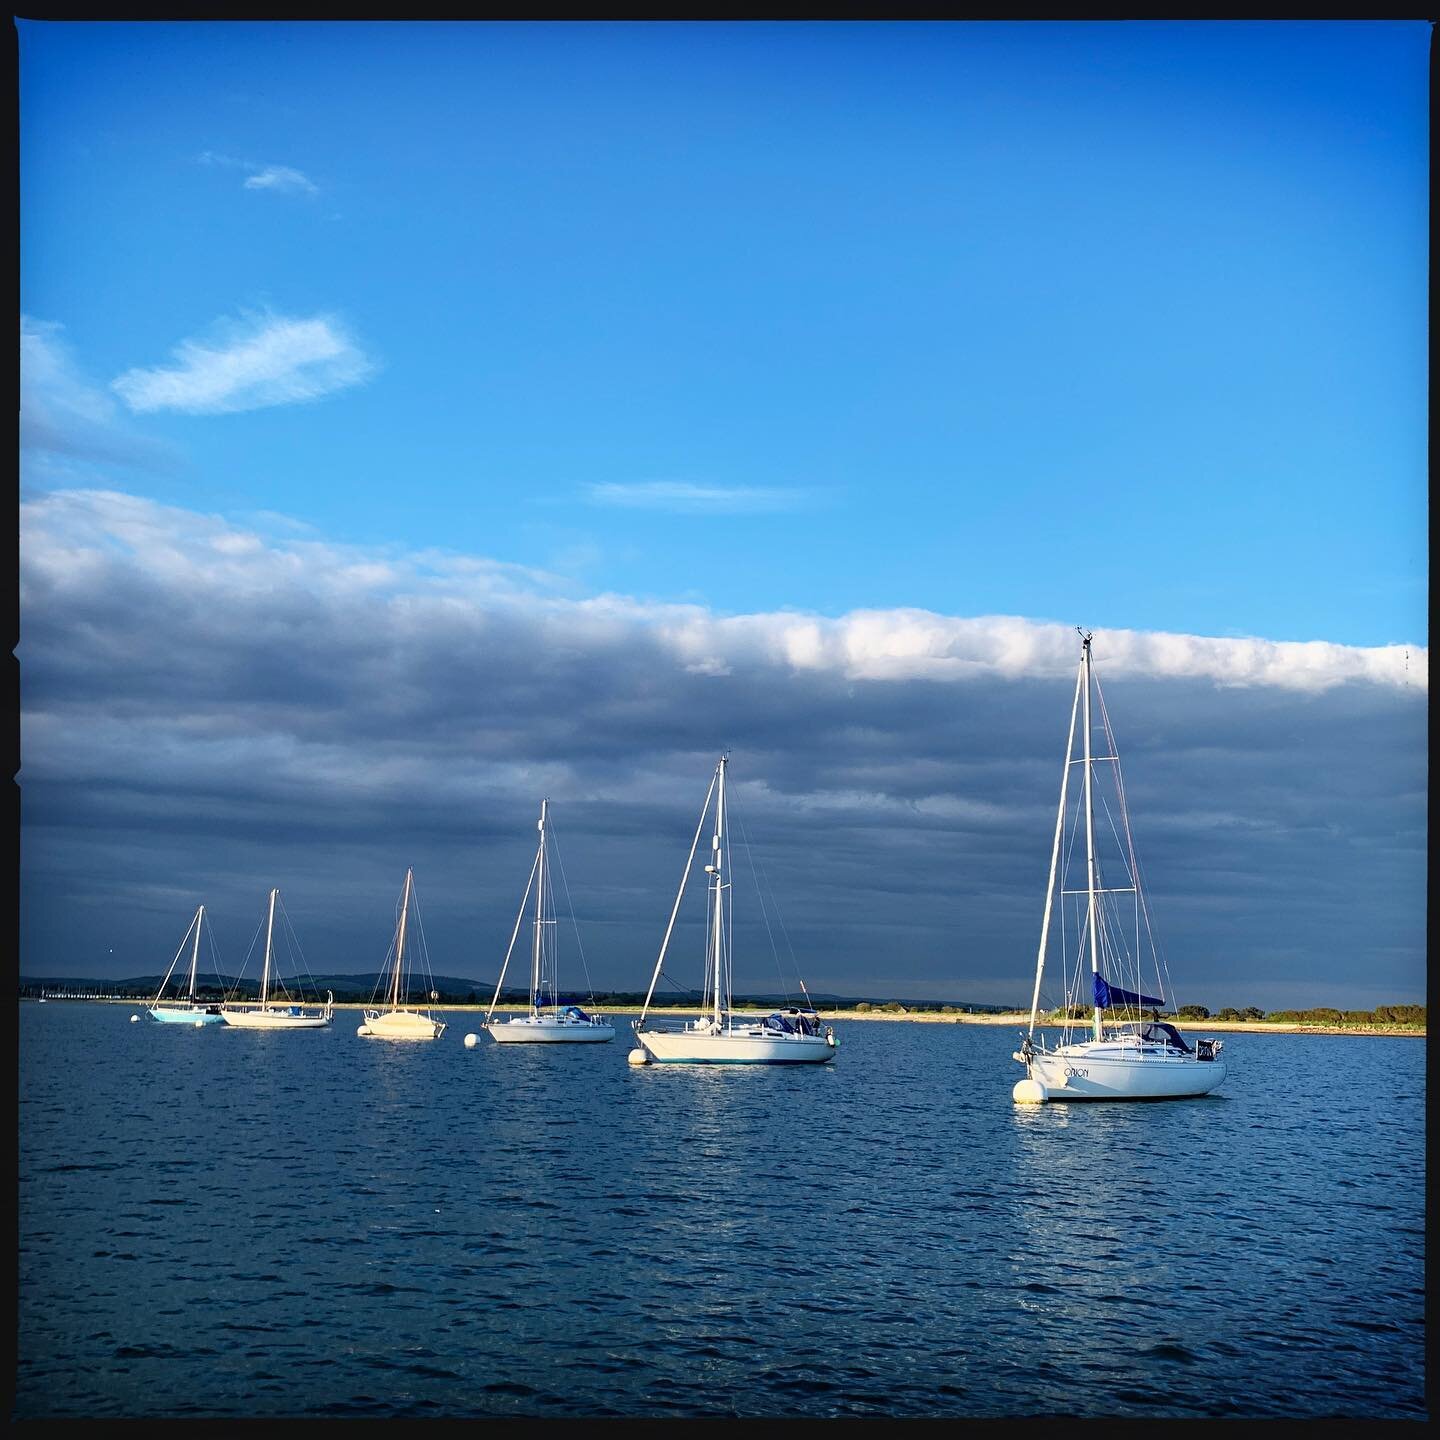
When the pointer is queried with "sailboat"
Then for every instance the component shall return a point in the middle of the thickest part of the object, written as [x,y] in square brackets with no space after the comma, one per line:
[267,1015]
[184,1010]
[1126,1055]
[397,1021]
[792,1036]
[547,1020]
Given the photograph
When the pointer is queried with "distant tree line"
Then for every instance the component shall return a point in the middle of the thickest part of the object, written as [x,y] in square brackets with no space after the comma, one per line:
[1412,1016]
[1409,1015]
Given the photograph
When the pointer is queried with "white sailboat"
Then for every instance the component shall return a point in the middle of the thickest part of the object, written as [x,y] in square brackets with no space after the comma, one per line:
[793,1036]
[186,1009]
[267,1015]
[547,1021]
[1126,1056]
[398,1021]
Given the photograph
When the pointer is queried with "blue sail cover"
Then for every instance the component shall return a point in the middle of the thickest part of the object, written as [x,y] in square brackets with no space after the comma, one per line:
[1107,996]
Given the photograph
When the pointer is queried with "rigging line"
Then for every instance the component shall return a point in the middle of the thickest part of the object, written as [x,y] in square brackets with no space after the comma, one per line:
[296,954]
[381,973]
[784,930]
[519,917]
[679,894]
[574,925]
[234,991]
[1156,948]
[424,949]
[176,960]
[214,954]
[764,913]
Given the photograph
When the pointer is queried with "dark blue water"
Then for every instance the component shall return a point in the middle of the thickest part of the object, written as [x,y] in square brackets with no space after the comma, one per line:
[221,1223]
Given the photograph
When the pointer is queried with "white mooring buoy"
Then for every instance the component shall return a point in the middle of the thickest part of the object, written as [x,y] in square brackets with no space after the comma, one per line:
[134,1018]
[638,1056]
[199,1024]
[1030,1092]
[471,1041]
[361,1029]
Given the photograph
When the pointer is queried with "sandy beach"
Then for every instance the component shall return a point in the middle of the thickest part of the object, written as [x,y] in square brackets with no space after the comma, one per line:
[1021,1018]
[1017,1019]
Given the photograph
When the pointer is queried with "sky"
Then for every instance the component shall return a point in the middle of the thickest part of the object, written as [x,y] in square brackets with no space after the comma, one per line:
[419,419]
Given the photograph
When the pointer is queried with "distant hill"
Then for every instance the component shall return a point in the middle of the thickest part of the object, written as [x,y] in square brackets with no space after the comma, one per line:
[345,987]
[454,989]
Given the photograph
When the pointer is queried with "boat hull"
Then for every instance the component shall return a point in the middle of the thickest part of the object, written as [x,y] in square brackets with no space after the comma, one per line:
[287,1019]
[545,1030]
[1075,1073]
[174,1015]
[401,1025]
[690,1047]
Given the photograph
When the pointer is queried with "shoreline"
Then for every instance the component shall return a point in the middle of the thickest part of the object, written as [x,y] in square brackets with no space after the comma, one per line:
[1018,1019]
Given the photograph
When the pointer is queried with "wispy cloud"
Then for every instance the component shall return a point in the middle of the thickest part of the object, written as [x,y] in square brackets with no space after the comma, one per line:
[683,497]
[66,417]
[284,179]
[281,177]
[252,363]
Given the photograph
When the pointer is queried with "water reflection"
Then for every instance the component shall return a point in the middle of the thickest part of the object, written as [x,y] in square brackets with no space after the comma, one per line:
[398,1230]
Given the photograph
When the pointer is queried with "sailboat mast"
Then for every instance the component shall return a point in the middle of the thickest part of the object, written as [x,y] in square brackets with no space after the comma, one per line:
[269,933]
[675,909]
[539,914]
[1055,849]
[400,942]
[1090,835]
[717,847]
[195,952]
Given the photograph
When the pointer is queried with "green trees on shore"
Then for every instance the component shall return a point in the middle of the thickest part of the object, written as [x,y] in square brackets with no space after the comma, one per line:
[1407,1016]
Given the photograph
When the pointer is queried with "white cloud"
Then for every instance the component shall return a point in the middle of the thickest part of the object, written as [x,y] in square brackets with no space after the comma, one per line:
[65,417]
[203,695]
[281,177]
[259,361]
[688,499]
[863,645]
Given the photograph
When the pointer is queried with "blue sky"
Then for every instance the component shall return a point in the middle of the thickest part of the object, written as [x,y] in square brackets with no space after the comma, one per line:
[913,307]
[1113,324]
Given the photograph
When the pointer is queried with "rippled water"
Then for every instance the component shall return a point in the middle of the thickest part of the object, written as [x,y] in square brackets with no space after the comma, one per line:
[225,1223]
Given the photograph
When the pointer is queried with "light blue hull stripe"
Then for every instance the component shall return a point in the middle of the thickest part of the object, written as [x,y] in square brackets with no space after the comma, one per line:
[826,1060]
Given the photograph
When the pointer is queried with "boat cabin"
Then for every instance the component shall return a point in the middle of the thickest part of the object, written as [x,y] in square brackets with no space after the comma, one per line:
[794,1021]
[1152,1032]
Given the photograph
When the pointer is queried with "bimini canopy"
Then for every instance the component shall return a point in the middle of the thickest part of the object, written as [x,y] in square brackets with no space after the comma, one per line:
[1108,996]
[1158,1032]
[574,1012]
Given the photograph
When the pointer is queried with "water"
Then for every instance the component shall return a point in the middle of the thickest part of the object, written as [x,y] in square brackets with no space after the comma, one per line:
[225,1223]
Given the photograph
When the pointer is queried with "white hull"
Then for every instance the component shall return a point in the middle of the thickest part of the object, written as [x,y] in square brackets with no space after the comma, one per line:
[1101,1071]
[547,1030]
[401,1025]
[287,1019]
[737,1047]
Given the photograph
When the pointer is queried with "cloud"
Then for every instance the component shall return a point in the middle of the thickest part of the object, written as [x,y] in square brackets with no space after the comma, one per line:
[682,497]
[63,416]
[252,363]
[283,179]
[210,708]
